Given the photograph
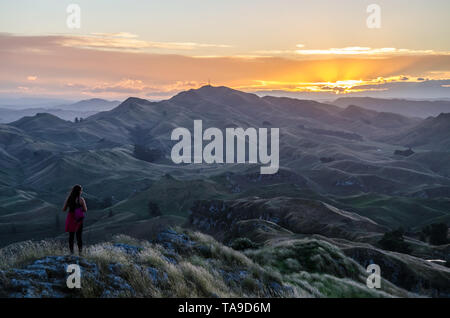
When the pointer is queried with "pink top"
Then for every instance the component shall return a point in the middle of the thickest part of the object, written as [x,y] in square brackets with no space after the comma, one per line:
[72,225]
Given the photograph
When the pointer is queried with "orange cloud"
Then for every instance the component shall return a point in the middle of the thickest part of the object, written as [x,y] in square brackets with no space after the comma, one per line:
[73,69]
[337,87]
[357,50]
[128,41]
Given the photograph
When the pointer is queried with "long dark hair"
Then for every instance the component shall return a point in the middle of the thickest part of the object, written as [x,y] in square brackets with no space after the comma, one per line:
[74,197]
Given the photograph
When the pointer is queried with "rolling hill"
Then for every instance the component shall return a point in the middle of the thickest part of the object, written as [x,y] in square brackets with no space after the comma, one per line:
[432,133]
[342,157]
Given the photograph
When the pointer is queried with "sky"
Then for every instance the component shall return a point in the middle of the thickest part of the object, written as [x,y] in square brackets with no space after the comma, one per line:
[154,49]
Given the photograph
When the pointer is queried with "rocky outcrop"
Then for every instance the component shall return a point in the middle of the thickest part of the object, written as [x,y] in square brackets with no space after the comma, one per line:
[47,277]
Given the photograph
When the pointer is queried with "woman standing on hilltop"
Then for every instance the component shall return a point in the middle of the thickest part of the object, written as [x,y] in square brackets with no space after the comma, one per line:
[74,221]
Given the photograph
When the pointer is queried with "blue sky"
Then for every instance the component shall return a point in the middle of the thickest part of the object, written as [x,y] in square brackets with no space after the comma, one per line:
[244,24]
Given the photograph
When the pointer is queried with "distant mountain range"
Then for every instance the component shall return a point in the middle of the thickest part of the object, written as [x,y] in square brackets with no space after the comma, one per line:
[81,109]
[89,105]
[411,108]
[32,102]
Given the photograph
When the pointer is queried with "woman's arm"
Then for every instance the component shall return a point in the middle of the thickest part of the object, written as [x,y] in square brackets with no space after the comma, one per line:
[83,204]
[65,204]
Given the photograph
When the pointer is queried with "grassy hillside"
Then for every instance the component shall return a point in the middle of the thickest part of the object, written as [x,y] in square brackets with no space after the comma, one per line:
[186,264]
